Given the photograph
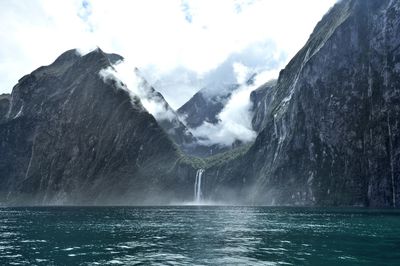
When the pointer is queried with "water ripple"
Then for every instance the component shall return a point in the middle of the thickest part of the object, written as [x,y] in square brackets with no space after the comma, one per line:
[198,235]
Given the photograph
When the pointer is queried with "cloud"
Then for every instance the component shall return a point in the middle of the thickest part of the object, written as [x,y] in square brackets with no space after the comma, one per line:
[257,57]
[242,73]
[235,118]
[177,86]
[130,80]
[194,35]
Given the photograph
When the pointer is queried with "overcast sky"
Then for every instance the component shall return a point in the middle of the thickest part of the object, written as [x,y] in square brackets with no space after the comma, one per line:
[181,45]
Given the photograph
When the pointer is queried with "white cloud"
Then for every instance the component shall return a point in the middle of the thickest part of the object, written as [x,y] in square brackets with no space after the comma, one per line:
[196,35]
[136,87]
[241,72]
[235,118]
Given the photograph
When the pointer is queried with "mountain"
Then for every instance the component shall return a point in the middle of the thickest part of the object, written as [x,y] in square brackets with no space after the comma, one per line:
[330,126]
[207,103]
[204,107]
[169,121]
[328,129]
[4,105]
[260,105]
[69,137]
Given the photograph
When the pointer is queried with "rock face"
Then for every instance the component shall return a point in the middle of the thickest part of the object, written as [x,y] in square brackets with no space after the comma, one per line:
[260,104]
[329,129]
[331,124]
[171,123]
[4,105]
[71,138]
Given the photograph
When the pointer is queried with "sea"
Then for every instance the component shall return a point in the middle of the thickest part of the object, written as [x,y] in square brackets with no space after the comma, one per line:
[198,235]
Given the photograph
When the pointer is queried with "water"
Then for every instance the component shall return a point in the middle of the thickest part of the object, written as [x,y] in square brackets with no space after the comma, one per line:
[198,235]
[197,186]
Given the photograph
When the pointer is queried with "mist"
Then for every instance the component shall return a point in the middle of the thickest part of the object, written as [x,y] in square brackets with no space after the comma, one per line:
[129,79]
[236,116]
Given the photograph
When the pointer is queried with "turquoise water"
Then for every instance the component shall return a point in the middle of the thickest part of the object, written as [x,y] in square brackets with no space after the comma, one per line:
[198,235]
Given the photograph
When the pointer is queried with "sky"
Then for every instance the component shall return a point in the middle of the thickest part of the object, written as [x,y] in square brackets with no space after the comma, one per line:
[181,46]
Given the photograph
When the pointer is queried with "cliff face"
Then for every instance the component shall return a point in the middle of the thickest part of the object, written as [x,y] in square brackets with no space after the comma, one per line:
[261,99]
[4,105]
[329,131]
[71,138]
[331,124]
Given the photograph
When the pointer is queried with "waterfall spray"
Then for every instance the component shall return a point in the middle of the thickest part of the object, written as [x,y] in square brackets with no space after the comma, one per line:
[197,186]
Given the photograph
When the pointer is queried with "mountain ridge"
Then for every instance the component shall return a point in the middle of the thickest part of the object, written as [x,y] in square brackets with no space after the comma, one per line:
[328,129]
[71,138]
[326,137]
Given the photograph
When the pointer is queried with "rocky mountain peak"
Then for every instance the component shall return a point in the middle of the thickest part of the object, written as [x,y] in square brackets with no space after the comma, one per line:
[330,126]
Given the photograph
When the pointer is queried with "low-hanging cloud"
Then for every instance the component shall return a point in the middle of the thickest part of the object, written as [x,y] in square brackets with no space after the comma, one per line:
[129,79]
[235,118]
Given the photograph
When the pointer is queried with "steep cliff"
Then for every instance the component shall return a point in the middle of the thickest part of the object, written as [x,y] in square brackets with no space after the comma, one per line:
[331,124]
[169,119]
[4,105]
[261,100]
[329,131]
[71,138]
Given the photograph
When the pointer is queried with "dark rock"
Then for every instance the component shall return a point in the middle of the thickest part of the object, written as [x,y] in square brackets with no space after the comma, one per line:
[71,138]
[205,107]
[331,126]
[172,125]
[329,129]
[4,106]
[261,100]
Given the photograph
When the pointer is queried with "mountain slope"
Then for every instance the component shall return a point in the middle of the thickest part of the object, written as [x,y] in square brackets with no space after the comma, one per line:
[4,105]
[207,103]
[329,131]
[71,138]
[260,99]
[204,107]
[169,119]
[331,125]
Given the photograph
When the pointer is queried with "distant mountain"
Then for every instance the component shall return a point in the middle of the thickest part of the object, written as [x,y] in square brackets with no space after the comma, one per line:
[203,107]
[171,124]
[330,128]
[207,103]
[71,138]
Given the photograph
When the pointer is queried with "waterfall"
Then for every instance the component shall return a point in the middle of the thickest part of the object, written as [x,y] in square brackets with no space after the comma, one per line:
[197,186]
